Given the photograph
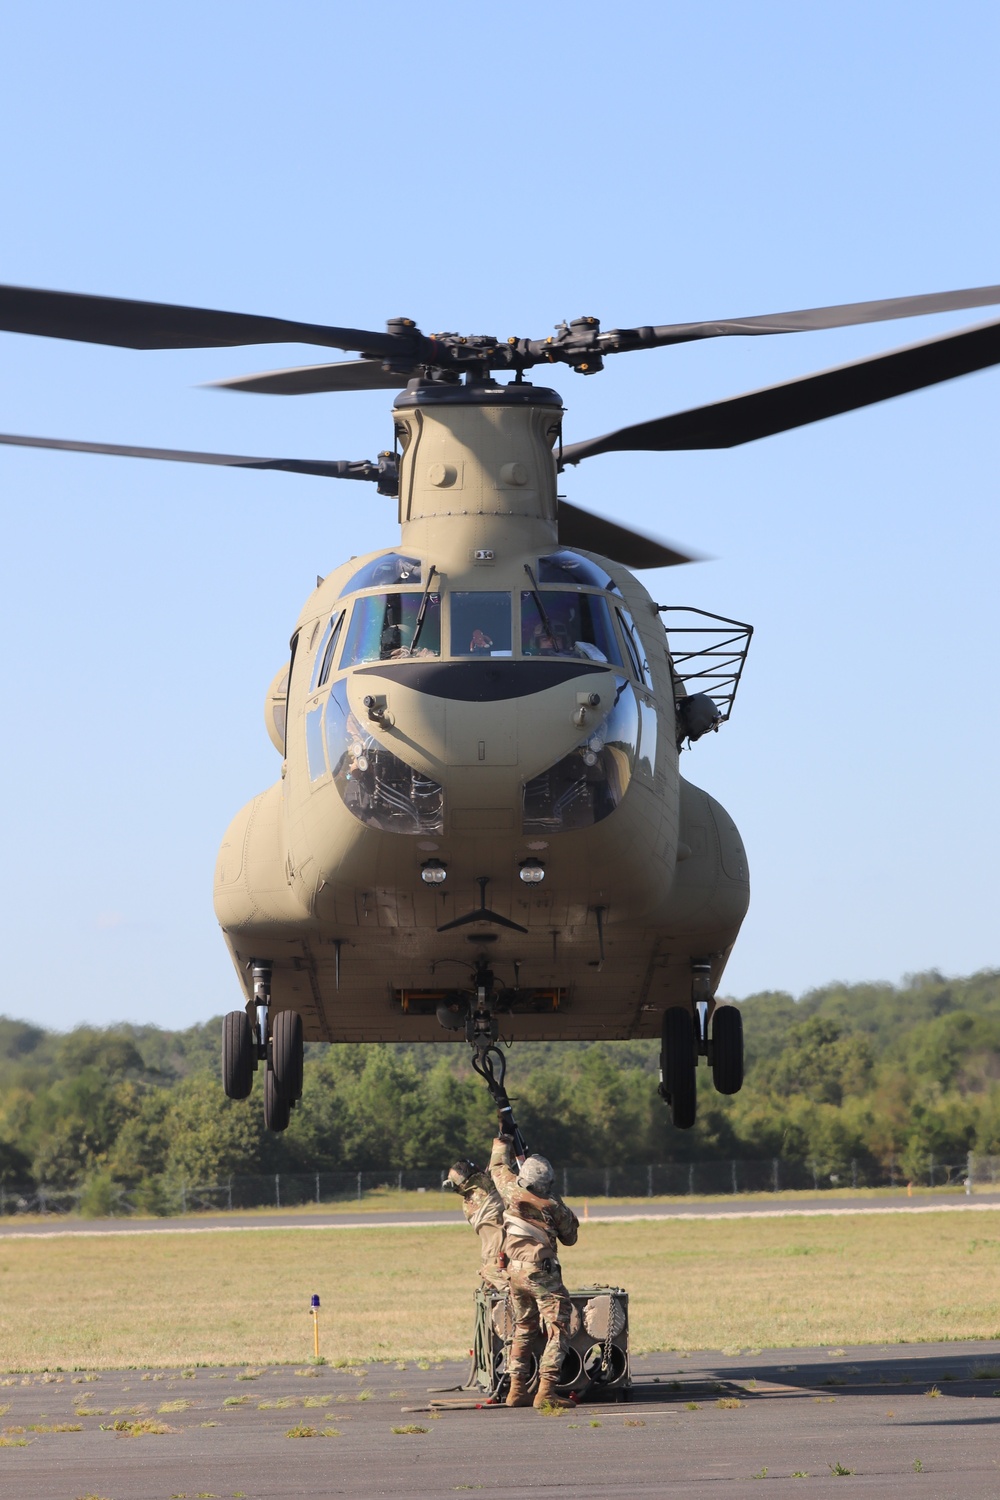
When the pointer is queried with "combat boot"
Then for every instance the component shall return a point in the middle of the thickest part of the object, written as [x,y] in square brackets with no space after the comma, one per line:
[546,1393]
[518,1395]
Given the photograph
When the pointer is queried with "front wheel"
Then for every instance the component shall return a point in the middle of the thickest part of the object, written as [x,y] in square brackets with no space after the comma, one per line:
[286,1054]
[727,1049]
[277,1108]
[678,1062]
[237,1054]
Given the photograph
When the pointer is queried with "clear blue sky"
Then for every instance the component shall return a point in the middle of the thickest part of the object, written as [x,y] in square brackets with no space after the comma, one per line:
[495,169]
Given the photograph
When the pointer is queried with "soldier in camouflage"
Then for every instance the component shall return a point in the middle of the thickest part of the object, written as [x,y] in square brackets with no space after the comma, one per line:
[483,1208]
[535,1221]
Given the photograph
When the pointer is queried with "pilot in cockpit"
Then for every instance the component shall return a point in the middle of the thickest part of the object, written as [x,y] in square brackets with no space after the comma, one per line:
[554,639]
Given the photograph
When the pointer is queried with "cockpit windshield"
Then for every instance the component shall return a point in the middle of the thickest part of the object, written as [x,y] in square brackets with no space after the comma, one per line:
[568,624]
[390,627]
[570,567]
[481,623]
[384,571]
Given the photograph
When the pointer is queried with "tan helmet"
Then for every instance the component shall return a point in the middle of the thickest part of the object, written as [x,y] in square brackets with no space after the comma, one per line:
[536,1176]
[460,1173]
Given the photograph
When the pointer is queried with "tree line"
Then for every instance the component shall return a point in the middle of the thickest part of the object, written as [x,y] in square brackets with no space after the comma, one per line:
[865,1072]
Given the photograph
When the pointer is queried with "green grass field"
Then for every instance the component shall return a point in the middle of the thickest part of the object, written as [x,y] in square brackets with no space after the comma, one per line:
[234,1298]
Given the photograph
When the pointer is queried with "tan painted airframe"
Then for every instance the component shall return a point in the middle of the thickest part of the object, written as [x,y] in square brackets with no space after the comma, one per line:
[338,906]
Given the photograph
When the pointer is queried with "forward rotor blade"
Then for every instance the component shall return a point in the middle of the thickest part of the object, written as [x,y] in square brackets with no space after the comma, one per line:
[308,380]
[342,469]
[811,398]
[809,320]
[160,325]
[579,528]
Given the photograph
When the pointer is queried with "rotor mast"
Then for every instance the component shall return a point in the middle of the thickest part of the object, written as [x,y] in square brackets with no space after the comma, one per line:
[478,451]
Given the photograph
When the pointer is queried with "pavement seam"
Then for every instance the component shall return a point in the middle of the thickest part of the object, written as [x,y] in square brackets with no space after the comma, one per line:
[455,1223]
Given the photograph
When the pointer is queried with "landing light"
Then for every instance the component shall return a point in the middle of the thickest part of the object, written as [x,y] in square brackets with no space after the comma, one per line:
[532,872]
[433,872]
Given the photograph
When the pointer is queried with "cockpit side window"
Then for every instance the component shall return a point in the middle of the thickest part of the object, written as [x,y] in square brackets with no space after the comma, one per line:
[634,647]
[325,657]
[383,573]
[481,624]
[566,623]
[288,688]
[382,628]
[334,619]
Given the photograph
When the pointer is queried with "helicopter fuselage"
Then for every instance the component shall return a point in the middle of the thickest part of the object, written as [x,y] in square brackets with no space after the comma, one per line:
[479,721]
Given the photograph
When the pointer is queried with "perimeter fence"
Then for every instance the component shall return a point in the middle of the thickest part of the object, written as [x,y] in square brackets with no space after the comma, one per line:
[280,1190]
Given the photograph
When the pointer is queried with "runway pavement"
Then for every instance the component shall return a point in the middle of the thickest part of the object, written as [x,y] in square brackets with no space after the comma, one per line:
[893,1422]
[56,1225]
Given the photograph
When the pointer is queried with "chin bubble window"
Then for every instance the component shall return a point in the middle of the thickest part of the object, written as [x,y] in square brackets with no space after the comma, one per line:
[384,572]
[381,790]
[314,743]
[393,627]
[646,763]
[562,623]
[480,624]
[588,783]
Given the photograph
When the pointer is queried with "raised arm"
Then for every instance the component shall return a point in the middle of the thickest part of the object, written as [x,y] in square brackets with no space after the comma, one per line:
[501,1165]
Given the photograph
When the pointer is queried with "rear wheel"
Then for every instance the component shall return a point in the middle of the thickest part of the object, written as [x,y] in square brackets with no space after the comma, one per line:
[237,1054]
[286,1054]
[277,1108]
[678,1061]
[727,1049]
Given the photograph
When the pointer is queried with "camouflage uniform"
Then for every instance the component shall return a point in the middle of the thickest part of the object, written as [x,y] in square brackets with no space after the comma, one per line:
[483,1207]
[537,1295]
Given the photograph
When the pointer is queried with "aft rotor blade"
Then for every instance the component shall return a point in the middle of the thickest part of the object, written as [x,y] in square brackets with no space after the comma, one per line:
[809,320]
[309,380]
[811,398]
[161,325]
[342,469]
[579,528]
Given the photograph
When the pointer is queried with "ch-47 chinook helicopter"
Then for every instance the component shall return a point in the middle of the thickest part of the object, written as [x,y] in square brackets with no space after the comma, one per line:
[479,822]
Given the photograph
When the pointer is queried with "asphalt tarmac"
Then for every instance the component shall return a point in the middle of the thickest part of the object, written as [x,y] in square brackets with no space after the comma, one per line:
[737,1207]
[892,1422]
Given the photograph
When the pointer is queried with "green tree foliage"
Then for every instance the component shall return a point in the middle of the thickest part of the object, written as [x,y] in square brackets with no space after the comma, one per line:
[868,1073]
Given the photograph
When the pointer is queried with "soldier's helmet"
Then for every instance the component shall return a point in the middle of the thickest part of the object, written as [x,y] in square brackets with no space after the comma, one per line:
[536,1175]
[459,1174]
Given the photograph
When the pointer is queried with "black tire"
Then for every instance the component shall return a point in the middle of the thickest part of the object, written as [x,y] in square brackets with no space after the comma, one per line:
[286,1054]
[727,1049]
[678,1061]
[237,1054]
[277,1108]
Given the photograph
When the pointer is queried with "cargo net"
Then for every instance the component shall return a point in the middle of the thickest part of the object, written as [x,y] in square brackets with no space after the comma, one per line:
[707,653]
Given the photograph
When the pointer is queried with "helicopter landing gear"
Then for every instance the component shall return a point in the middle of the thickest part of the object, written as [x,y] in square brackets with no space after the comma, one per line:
[703,1029]
[678,1062]
[278,1044]
[262,1006]
[727,1049]
[286,1054]
[277,1106]
[238,1056]
[283,1079]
